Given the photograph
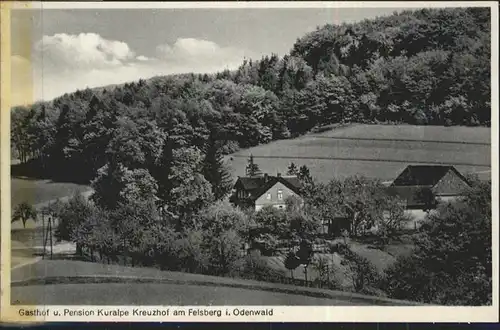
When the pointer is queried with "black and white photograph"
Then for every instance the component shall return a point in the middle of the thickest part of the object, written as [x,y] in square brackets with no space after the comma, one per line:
[252,156]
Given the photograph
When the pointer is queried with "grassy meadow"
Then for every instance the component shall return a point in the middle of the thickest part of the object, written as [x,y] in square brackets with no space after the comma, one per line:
[376,151]
[40,191]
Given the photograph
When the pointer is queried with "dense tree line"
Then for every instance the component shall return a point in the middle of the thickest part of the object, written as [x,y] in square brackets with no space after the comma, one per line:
[451,262]
[430,66]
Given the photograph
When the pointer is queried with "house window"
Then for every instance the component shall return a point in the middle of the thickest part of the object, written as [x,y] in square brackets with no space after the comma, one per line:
[280,195]
[268,196]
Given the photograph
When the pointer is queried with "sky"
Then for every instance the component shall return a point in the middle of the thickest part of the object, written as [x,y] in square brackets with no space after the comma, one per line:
[57,51]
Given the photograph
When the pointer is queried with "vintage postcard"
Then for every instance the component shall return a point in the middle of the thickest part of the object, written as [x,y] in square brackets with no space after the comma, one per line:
[249,161]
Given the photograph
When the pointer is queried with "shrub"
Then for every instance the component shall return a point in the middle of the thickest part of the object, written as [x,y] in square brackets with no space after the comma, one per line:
[191,254]
[406,278]
[224,251]
[364,275]
[271,221]
[326,272]
[291,262]
[256,267]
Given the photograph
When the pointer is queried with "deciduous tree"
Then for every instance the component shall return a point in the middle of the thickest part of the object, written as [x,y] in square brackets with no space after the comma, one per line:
[24,212]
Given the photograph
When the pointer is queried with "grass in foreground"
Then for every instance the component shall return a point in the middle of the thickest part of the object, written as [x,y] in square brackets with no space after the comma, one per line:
[86,275]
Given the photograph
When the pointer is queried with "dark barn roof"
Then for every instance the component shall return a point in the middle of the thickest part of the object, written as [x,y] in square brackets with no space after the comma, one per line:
[258,185]
[409,184]
[423,175]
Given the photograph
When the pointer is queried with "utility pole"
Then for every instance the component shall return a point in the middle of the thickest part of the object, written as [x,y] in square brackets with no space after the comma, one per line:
[43,233]
[50,233]
[46,235]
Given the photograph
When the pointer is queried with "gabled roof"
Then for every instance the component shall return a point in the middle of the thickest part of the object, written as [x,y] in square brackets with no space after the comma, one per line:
[424,175]
[258,185]
[414,178]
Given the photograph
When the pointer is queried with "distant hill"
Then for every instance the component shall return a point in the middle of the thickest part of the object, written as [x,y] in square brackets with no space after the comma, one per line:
[424,67]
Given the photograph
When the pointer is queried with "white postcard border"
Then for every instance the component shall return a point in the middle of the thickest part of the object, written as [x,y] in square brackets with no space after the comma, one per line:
[11,313]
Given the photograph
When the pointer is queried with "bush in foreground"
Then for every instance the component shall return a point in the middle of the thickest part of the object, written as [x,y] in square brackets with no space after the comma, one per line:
[452,263]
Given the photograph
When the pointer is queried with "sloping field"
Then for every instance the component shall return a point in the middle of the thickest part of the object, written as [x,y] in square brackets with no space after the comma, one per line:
[412,132]
[40,191]
[376,151]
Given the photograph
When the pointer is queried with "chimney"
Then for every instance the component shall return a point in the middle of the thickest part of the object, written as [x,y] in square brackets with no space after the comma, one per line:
[265,177]
[278,174]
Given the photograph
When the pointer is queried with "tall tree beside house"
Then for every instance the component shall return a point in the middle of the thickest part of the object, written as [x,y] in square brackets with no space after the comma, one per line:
[215,171]
[292,169]
[304,174]
[24,212]
[252,168]
[306,180]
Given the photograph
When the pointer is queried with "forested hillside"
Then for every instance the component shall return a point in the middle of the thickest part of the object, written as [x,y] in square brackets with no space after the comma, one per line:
[429,67]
